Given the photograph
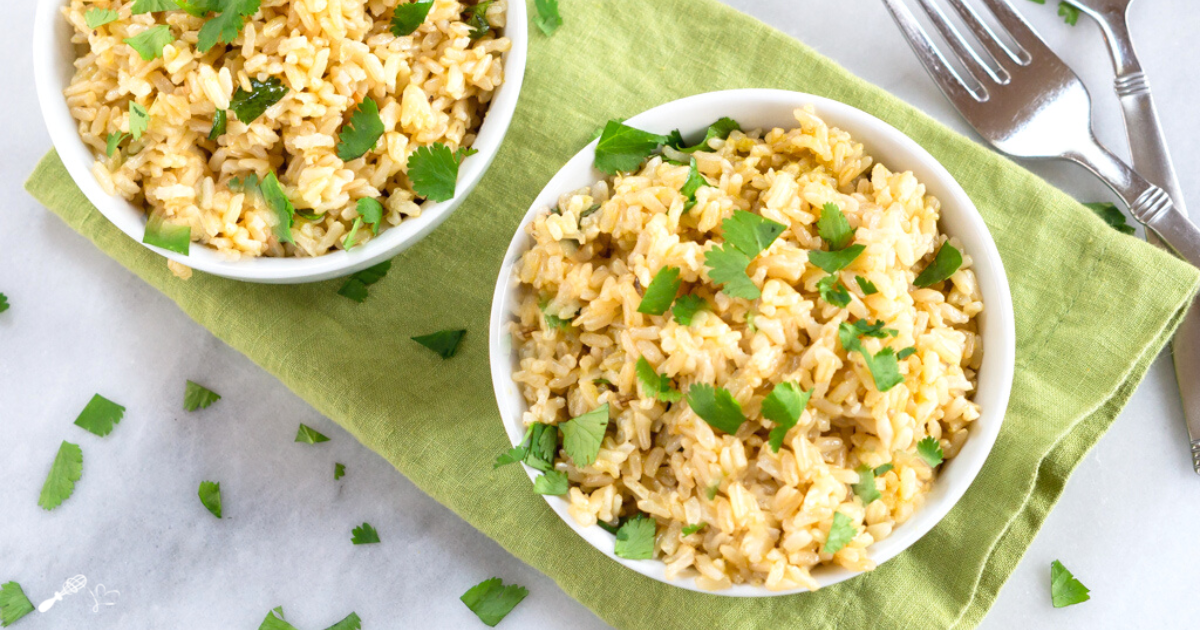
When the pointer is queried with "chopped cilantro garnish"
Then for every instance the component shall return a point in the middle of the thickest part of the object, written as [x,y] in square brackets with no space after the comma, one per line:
[220,122]
[281,206]
[364,535]
[551,482]
[593,209]
[623,148]
[139,120]
[635,538]
[835,261]
[309,216]
[883,365]
[716,406]
[884,469]
[275,621]
[100,415]
[477,19]
[905,353]
[1065,590]
[371,212]
[686,307]
[750,233]
[1068,12]
[355,287]
[692,529]
[833,291]
[833,228]
[13,603]
[783,406]
[661,292]
[1111,215]
[153,6]
[197,396]
[348,243]
[720,129]
[433,170]
[95,18]
[248,106]
[149,43]
[694,182]
[226,26]
[930,451]
[947,260]
[309,435]
[351,622]
[547,19]
[864,328]
[511,456]
[840,533]
[114,140]
[339,471]
[583,435]
[409,17]
[656,385]
[491,600]
[543,446]
[210,496]
[362,132]
[169,236]
[64,472]
[248,184]
[554,321]
[3,302]
[727,267]
[711,491]
[868,288]
[443,342]
[866,488]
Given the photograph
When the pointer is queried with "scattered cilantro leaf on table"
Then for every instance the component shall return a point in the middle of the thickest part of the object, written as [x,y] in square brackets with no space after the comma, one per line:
[3,302]
[248,106]
[95,18]
[351,622]
[833,291]
[492,600]
[277,200]
[433,170]
[477,19]
[716,406]
[686,307]
[635,538]
[371,212]
[226,25]
[719,129]
[656,385]
[548,18]
[947,260]
[274,621]
[1111,215]
[511,456]
[64,472]
[623,148]
[1065,590]
[99,416]
[356,285]
[139,120]
[444,342]
[170,236]
[361,134]
[835,261]
[551,482]
[13,604]
[868,287]
[930,451]
[833,228]
[220,123]
[582,435]
[339,471]
[149,43]
[197,396]
[692,529]
[153,6]
[309,435]
[661,292]
[840,533]
[783,406]
[866,488]
[210,497]
[364,535]
[113,141]
[407,18]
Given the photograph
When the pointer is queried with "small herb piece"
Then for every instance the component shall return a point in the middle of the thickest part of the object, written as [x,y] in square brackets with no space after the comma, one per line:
[1069,13]
[543,446]
[835,261]
[548,18]
[868,288]
[309,435]
[274,621]
[220,122]
[783,406]
[864,328]
[95,18]
[866,488]
[371,212]
[947,260]
[197,396]
[362,132]
[226,26]
[716,406]
[169,236]
[692,529]
[153,6]
[686,307]
[1065,590]
[278,202]
[711,491]
[661,292]
[139,120]
[64,472]
[840,533]
[248,184]
[884,469]
[409,17]
[883,365]
[477,19]
[3,302]
[364,535]
[309,216]
[433,170]
[339,471]
[99,416]
[750,233]
[13,604]
[114,140]
[593,209]
[746,236]
[149,43]
[210,496]
[623,148]
[694,182]
[1111,215]
[351,622]
[511,456]
[554,321]
[720,129]
[635,538]
[833,228]
[727,268]
[491,600]
[443,342]
[833,291]
[552,482]
[905,353]
[355,287]
[583,435]
[656,385]
[348,242]
[248,106]
[930,451]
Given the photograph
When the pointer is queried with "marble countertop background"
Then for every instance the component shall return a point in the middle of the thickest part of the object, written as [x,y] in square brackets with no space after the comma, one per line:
[1127,523]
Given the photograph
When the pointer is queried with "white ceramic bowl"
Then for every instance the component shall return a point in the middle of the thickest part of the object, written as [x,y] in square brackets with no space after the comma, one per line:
[53,56]
[767,109]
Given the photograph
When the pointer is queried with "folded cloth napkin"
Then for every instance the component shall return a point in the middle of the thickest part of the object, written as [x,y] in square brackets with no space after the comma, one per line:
[1085,335]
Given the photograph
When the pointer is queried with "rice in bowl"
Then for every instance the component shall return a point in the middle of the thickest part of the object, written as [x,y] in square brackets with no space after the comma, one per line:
[754,516]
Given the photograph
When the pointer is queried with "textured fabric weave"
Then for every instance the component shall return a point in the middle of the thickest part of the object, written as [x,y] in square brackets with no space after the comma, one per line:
[1085,337]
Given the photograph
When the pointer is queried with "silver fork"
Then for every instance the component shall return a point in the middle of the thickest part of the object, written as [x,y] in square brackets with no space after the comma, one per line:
[1031,105]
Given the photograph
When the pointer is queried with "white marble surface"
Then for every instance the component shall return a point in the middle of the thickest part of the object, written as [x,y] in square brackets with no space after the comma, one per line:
[80,324]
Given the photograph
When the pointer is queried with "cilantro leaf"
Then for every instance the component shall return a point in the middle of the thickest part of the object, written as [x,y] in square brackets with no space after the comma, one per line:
[433,170]
[309,435]
[197,396]
[547,18]
[583,435]
[783,406]
[711,491]
[1068,12]
[443,342]
[717,407]
[661,292]
[947,260]
[491,600]
[339,471]
[210,497]
[169,236]
[364,535]
[728,269]
[477,19]
[884,469]
[274,621]
[656,385]
[114,140]
[226,26]
[554,321]
[866,488]
[348,242]
[623,148]
[3,302]
[511,456]
[1065,590]
[750,233]
[543,446]
[95,18]
[13,603]
[930,451]
[351,622]
[840,533]
[281,206]
[635,538]
[409,17]
[694,182]
[248,106]
[99,416]
[905,353]
[686,307]
[868,288]
[248,184]
[883,365]
[64,472]
[220,122]
[355,287]
[692,529]
[833,262]
[153,6]
[371,212]
[551,482]
[139,120]
[1111,215]
[864,328]
[720,129]
[833,291]
[833,228]
[149,43]
[362,132]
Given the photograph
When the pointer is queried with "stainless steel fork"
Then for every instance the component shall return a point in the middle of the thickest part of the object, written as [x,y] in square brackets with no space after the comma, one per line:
[1029,104]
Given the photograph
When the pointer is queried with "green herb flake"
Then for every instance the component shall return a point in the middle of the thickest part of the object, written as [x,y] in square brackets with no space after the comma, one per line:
[277,200]
[1110,214]
[720,129]
[275,621]
[309,435]
[1068,12]
[100,415]
[833,291]
[635,538]
[583,435]
[548,18]
[542,440]
[197,396]
[361,134]
[905,353]
[686,307]
[220,122]
[95,18]
[835,261]
[167,235]
[695,182]
[3,302]
[511,456]
[210,497]
[783,406]
[339,471]
[716,406]
[113,142]
[139,120]
[866,488]
[692,529]
[883,365]
[930,451]
[150,43]
[477,19]
[351,622]
[552,482]
[727,268]
[1065,590]
[348,243]
[356,285]
[492,600]
[884,469]
[711,491]
[444,342]
[64,472]
[661,292]
[371,212]
[656,385]
[364,535]
[833,228]
[153,6]
[840,533]
[868,288]
[226,26]
[13,604]
[248,106]
[623,148]
[947,260]
[409,17]
[750,233]
[433,170]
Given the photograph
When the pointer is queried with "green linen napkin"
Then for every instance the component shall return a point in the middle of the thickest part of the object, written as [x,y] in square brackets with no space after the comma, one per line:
[1085,337]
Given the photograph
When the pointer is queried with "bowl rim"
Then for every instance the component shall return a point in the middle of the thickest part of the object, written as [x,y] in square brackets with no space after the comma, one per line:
[52,74]
[999,335]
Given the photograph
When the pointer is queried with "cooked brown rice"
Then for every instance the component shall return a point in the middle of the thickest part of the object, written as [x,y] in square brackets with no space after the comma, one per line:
[432,86]
[772,511]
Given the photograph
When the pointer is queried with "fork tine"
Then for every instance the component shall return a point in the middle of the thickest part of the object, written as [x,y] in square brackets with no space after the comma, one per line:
[935,64]
[1017,27]
[986,35]
[965,52]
